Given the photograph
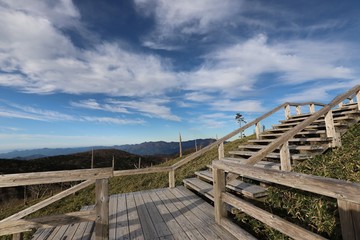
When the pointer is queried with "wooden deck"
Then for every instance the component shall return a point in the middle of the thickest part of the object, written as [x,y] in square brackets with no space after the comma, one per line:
[155,214]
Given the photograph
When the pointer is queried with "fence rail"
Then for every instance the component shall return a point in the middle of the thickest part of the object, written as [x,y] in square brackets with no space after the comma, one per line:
[346,193]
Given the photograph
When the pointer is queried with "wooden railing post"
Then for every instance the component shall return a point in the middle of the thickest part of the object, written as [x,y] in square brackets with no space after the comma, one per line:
[221,151]
[349,219]
[358,99]
[330,130]
[102,209]
[312,108]
[298,110]
[258,130]
[287,112]
[172,179]
[18,236]
[219,188]
[285,157]
[341,105]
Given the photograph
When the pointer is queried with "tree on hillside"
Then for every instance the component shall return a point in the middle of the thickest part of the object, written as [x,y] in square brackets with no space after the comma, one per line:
[240,119]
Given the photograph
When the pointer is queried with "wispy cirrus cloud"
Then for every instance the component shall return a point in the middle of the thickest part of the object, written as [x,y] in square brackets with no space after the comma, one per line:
[151,107]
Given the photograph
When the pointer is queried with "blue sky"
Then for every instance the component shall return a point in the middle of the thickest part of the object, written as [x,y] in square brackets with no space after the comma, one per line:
[86,72]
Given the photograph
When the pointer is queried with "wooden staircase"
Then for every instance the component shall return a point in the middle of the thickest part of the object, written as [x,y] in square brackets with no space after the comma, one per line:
[305,144]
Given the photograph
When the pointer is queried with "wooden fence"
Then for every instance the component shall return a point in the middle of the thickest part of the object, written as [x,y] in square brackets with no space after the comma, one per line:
[346,193]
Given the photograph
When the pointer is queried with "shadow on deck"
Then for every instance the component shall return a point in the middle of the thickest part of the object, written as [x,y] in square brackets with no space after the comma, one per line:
[175,213]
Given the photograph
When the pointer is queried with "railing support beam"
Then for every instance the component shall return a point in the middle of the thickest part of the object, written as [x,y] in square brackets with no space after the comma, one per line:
[172,179]
[287,112]
[219,188]
[102,209]
[258,130]
[312,108]
[285,157]
[358,99]
[221,151]
[349,219]
[330,129]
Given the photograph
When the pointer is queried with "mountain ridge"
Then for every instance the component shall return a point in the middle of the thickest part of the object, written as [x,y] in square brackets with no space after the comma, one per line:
[146,148]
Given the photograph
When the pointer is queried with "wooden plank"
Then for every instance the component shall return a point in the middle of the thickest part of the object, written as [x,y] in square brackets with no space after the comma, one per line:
[133,217]
[219,188]
[312,108]
[271,220]
[112,216]
[236,230]
[17,236]
[358,100]
[287,111]
[182,209]
[247,189]
[43,234]
[168,218]
[23,225]
[330,187]
[298,110]
[142,171]
[147,224]
[48,201]
[182,221]
[102,209]
[285,157]
[80,227]
[194,234]
[160,225]
[349,219]
[90,231]
[59,232]
[22,179]
[122,222]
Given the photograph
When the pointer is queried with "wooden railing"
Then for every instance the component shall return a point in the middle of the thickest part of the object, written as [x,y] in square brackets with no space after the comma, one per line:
[16,225]
[346,193]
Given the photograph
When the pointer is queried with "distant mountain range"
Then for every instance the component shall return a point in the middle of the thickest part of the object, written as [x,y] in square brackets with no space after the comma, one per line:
[145,149]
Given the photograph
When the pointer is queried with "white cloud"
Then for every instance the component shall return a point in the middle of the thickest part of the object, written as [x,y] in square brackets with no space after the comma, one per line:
[187,16]
[318,92]
[93,104]
[237,106]
[148,107]
[38,58]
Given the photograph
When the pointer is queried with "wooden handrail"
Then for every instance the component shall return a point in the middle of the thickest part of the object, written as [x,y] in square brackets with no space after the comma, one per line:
[23,179]
[330,187]
[225,138]
[306,103]
[299,127]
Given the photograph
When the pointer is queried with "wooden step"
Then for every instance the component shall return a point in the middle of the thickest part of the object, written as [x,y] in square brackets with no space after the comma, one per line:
[336,116]
[300,133]
[291,147]
[292,140]
[201,187]
[313,125]
[261,164]
[273,155]
[247,189]
[345,107]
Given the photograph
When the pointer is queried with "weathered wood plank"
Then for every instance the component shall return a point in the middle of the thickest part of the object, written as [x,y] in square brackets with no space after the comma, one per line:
[349,219]
[122,221]
[80,228]
[172,179]
[49,200]
[142,171]
[235,230]
[182,221]
[147,225]
[133,217]
[112,216]
[43,234]
[221,152]
[330,187]
[168,218]
[271,220]
[22,179]
[160,226]
[23,225]
[102,209]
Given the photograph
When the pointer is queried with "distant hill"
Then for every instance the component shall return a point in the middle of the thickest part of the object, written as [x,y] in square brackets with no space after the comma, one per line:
[102,158]
[145,149]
